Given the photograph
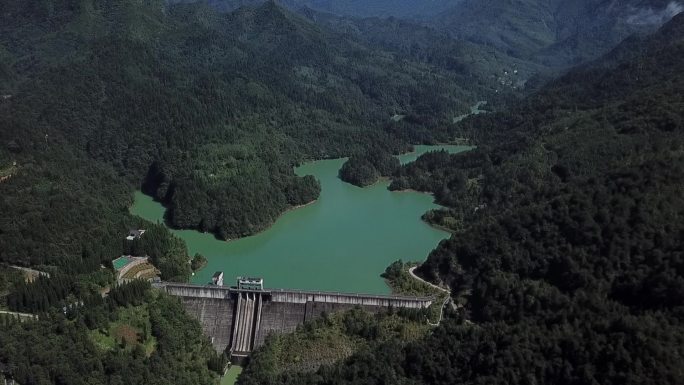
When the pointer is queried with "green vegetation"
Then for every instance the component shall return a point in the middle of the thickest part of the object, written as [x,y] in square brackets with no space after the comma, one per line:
[198,262]
[131,328]
[6,172]
[202,110]
[135,336]
[329,339]
[230,378]
[400,280]
[167,252]
[567,224]
[42,294]
[568,239]
[365,169]
[9,278]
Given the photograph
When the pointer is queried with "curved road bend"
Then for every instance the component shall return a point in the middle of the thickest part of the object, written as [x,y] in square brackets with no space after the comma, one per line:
[447,299]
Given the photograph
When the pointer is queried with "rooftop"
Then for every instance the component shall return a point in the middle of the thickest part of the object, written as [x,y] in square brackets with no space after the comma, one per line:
[122,261]
[134,234]
[250,279]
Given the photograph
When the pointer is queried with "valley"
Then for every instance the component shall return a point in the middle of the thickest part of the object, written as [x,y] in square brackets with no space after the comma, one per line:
[257,137]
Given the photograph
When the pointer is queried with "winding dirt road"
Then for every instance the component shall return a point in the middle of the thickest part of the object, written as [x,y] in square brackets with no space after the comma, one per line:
[413,274]
[21,315]
[446,300]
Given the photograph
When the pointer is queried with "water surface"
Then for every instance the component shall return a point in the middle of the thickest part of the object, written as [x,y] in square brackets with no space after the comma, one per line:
[342,242]
[474,110]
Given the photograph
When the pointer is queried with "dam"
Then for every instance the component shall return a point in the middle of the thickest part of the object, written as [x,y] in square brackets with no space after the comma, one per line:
[238,319]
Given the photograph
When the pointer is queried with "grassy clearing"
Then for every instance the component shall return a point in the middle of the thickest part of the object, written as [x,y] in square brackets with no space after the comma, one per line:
[401,282]
[7,171]
[332,338]
[131,328]
[231,377]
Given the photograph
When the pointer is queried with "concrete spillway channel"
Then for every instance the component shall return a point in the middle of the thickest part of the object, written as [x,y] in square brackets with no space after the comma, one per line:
[248,316]
[247,322]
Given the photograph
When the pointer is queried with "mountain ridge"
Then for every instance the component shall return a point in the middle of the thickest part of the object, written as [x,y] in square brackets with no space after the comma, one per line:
[555,33]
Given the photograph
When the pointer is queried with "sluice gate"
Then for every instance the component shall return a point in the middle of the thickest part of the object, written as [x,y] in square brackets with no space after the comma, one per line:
[247,323]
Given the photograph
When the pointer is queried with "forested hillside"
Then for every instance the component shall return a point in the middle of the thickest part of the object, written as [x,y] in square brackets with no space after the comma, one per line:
[568,236]
[135,336]
[554,33]
[477,63]
[207,111]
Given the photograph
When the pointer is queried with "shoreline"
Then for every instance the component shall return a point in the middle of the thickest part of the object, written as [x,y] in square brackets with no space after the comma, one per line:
[380,179]
[461,144]
[441,228]
[410,190]
[292,208]
[171,228]
[433,225]
[270,225]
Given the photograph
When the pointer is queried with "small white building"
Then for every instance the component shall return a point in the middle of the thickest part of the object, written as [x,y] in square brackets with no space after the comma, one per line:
[217,278]
[135,234]
[248,283]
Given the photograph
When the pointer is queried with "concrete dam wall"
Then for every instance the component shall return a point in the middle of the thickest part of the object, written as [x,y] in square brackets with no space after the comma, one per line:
[239,320]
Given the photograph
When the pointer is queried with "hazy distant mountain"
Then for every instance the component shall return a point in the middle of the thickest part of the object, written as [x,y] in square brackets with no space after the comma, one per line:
[408,9]
[411,39]
[368,8]
[554,32]
[498,38]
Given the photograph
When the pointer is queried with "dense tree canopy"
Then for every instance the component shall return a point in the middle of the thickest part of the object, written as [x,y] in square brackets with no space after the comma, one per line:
[567,218]
[135,336]
[365,169]
[208,112]
[568,245]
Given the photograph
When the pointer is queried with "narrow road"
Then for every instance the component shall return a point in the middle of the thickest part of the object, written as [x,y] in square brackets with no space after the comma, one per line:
[22,315]
[413,274]
[34,273]
[446,300]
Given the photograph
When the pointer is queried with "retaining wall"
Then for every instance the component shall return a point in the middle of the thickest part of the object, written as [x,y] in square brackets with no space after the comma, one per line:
[216,317]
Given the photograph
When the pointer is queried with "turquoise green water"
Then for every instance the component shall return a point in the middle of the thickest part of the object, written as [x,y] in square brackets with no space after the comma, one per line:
[342,242]
[231,377]
[474,110]
[419,150]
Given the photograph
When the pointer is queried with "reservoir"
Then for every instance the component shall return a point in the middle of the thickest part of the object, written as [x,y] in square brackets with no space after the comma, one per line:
[342,242]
